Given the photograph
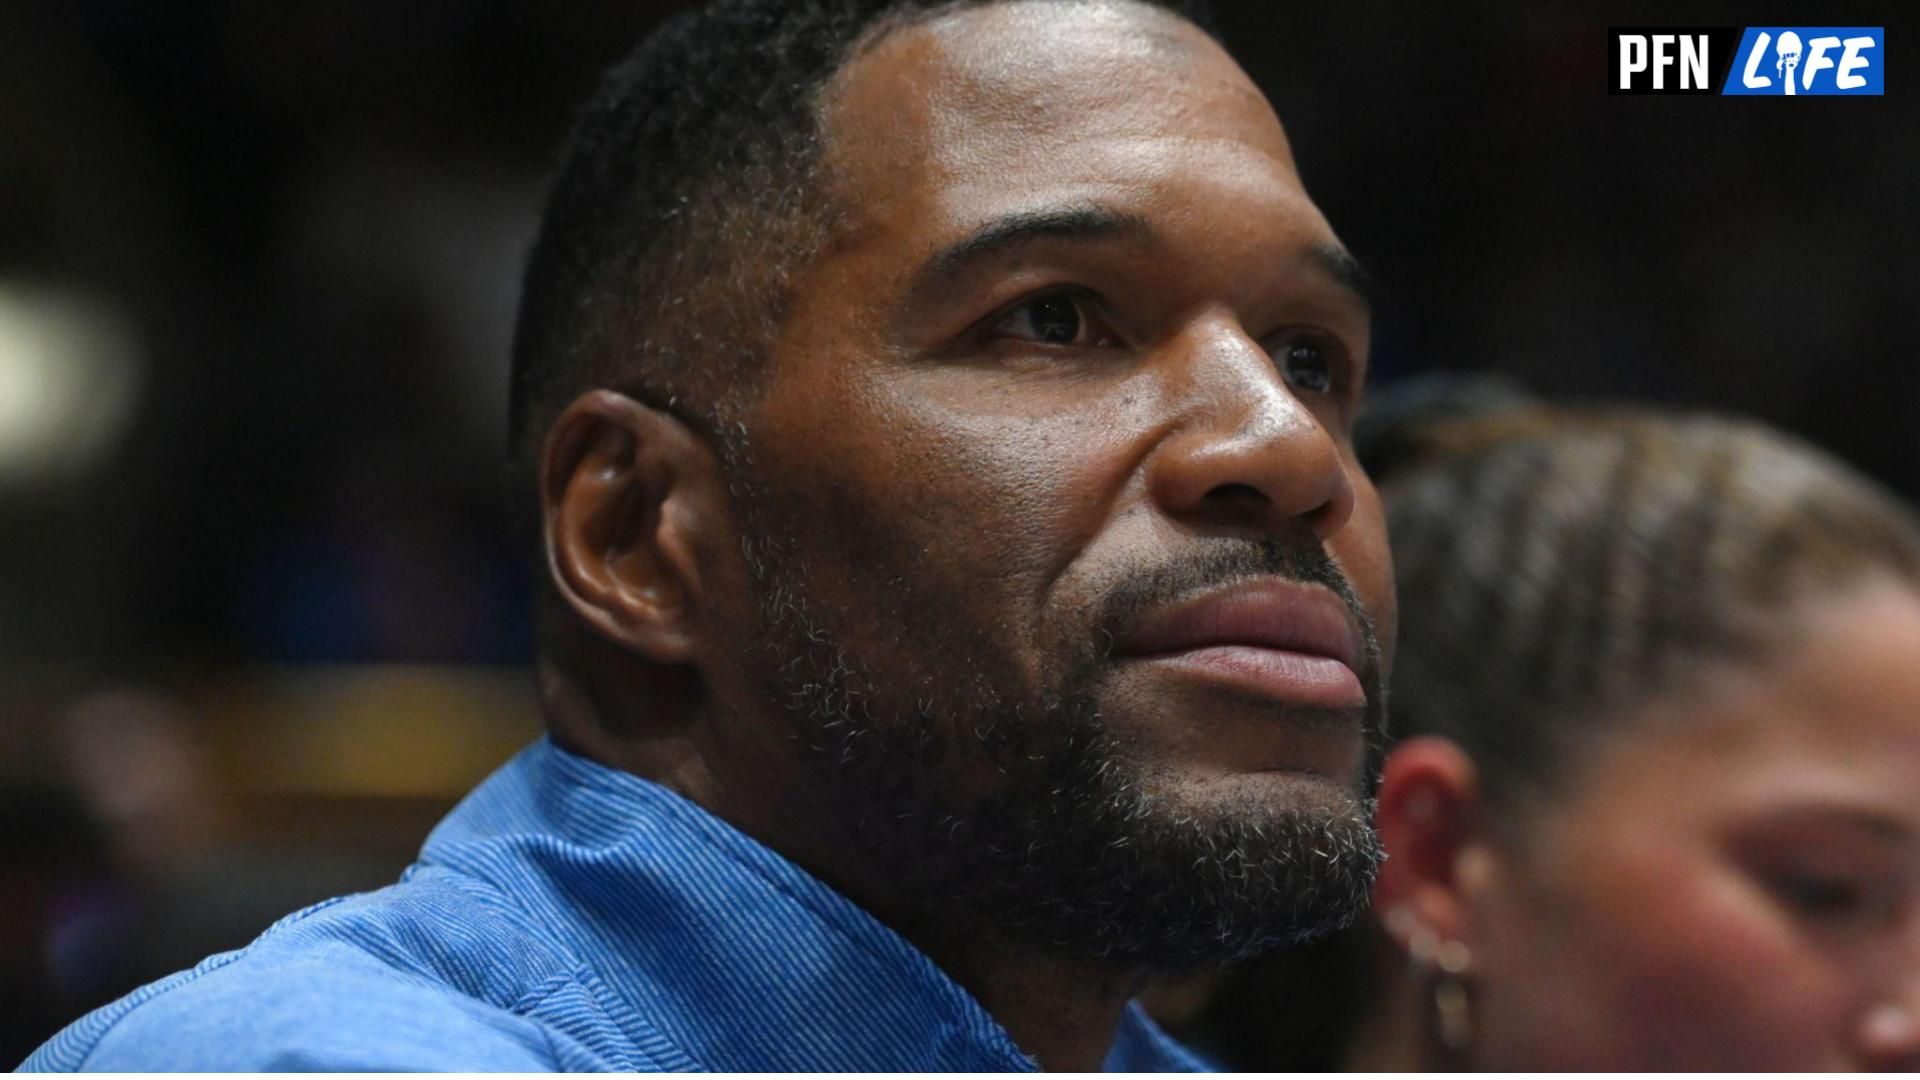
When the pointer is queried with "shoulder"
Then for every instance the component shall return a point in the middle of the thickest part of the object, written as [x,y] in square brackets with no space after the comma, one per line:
[329,1007]
[424,975]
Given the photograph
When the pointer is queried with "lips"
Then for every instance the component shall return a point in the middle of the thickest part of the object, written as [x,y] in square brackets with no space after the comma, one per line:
[1297,644]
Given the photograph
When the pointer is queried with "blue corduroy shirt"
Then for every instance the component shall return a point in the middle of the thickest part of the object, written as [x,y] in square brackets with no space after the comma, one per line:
[569,916]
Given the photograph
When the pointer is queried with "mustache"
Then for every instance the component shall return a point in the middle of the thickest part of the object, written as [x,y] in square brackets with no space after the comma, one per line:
[1230,562]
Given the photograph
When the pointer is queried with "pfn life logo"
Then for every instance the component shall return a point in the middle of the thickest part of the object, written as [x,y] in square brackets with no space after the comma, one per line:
[1751,61]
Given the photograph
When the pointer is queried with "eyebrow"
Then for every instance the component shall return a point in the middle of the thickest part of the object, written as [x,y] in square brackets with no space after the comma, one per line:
[1088,221]
[1819,813]
[1346,270]
[1092,221]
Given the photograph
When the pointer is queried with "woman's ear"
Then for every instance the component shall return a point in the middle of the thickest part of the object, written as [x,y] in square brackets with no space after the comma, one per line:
[1429,819]
[629,496]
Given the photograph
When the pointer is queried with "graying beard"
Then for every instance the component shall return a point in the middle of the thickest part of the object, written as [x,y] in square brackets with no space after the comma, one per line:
[1075,853]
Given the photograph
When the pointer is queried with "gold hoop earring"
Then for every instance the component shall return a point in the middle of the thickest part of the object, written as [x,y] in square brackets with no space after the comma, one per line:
[1451,995]
[1445,965]
[1453,1013]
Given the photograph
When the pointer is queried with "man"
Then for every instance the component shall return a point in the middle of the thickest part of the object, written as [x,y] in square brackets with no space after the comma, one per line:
[963,602]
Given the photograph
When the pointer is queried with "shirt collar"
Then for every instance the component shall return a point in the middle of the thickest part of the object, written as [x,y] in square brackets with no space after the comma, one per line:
[736,956]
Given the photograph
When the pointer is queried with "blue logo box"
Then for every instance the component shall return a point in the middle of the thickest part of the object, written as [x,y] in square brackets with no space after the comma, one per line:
[1808,61]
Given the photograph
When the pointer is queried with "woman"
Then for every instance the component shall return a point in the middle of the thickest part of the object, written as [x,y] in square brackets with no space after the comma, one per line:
[1656,800]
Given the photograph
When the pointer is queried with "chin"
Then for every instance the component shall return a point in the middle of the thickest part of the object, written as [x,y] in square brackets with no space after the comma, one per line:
[1256,794]
[1199,738]
[1326,768]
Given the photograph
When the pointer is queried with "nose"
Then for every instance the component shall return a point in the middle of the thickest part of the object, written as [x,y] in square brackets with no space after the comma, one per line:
[1890,1030]
[1246,454]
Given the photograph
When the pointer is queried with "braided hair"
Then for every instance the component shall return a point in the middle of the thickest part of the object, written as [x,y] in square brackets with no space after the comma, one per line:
[1557,567]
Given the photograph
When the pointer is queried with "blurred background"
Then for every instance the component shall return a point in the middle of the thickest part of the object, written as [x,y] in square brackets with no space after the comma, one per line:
[262,615]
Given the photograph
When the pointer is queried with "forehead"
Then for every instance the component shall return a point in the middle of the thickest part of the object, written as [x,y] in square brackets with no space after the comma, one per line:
[1030,103]
[1846,690]
[1833,715]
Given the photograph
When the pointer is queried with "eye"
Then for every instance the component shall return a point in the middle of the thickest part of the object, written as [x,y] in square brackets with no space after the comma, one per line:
[1830,901]
[1307,364]
[1844,871]
[1058,318]
[1819,897]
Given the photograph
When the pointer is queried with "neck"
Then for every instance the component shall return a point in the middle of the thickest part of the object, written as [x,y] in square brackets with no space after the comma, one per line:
[1061,1013]
[1393,1034]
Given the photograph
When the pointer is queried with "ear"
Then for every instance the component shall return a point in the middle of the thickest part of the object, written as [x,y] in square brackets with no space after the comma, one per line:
[1428,817]
[628,496]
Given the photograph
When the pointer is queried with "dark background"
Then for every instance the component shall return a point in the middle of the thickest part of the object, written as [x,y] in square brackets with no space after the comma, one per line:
[261,613]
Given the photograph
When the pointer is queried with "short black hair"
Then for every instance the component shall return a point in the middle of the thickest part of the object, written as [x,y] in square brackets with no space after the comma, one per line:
[686,198]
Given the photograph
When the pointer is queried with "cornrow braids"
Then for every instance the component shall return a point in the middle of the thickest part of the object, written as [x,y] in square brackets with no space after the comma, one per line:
[1557,567]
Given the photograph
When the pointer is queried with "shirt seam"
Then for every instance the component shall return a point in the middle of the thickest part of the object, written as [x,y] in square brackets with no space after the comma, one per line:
[524,1004]
[624,1061]
[192,977]
[201,971]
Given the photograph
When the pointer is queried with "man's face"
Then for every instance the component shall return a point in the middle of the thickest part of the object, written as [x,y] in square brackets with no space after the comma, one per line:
[1069,578]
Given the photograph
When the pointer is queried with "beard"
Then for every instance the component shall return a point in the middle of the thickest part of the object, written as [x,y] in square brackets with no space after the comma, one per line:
[1002,803]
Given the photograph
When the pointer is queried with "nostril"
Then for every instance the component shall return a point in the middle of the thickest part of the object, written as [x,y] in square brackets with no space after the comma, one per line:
[1236,494]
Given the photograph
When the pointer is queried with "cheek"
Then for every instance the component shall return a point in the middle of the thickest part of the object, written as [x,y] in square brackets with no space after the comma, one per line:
[1016,480]
[1019,497]
[1364,555]
[1726,981]
[1670,961]
[924,507]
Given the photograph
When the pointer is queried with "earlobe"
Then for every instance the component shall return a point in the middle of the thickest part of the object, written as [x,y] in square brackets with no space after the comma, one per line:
[623,505]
